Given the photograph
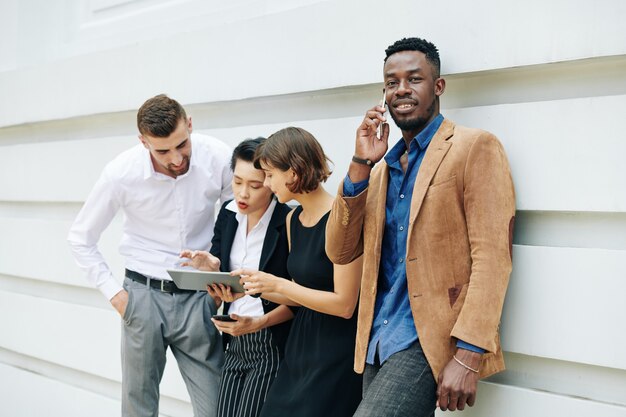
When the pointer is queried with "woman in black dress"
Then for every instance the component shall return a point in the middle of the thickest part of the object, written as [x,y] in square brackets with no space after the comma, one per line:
[316,378]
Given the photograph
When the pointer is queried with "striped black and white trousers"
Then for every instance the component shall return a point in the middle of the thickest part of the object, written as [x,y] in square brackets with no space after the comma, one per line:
[250,366]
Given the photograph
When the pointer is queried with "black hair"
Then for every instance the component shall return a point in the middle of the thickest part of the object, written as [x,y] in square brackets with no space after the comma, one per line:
[245,151]
[420,45]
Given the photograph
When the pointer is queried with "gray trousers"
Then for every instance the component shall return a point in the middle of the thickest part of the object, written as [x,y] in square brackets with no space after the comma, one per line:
[403,386]
[155,320]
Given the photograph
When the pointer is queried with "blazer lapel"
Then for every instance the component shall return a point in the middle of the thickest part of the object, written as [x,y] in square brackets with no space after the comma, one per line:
[228,236]
[437,149]
[379,208]
[271,237]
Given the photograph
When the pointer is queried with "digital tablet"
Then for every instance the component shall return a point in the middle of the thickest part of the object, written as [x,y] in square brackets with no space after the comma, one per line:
[198,280]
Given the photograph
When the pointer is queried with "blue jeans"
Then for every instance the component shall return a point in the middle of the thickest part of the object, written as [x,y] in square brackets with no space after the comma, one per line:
[403,386]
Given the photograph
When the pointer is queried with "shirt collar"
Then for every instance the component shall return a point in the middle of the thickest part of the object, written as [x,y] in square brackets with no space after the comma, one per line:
[148,168]
[422,140]
[265,219]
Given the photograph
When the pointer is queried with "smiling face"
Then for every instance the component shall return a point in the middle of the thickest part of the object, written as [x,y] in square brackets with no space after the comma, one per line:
[170,155]
[412,91]
[251,195]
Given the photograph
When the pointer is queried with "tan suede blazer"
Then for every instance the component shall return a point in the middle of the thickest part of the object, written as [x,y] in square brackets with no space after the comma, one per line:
[458,258]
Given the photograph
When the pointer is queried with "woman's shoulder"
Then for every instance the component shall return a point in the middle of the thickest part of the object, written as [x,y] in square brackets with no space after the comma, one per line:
[226,210]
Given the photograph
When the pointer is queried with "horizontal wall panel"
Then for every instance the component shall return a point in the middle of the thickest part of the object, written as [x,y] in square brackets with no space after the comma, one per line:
[26,394]
[73,336]
[562,31]
[55,171]
[24,377]
[533,149]
[495,400]
[47,289]
[9,29]
[25,239]
[572,379]
[562,303]
[599,230]
[557,162]
[594,77]
[65,334]
[66,185]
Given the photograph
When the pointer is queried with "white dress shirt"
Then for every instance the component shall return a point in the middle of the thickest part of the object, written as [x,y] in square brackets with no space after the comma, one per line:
[162,215]
[246,253]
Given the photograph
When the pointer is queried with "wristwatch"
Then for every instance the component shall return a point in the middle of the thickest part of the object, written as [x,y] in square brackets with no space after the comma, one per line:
[362,161]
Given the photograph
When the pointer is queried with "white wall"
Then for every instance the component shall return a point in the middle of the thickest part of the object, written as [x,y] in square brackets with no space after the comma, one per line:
[547,77]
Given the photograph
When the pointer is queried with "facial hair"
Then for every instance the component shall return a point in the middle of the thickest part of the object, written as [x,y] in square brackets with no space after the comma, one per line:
[179,172]
[417,123]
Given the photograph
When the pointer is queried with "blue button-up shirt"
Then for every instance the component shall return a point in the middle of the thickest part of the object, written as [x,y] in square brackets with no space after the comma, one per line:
[393,329]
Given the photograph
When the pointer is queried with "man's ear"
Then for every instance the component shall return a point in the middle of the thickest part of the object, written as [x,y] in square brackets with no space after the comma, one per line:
[189,124]
[144,141]
[440,86]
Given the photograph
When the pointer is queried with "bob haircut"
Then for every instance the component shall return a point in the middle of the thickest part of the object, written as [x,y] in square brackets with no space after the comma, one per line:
[295,148]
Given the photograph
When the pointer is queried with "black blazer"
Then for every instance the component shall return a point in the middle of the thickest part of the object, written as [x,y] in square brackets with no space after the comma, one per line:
[273,258]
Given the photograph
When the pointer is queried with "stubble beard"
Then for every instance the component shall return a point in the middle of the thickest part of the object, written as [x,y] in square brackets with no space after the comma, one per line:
[417,123]
[180,172]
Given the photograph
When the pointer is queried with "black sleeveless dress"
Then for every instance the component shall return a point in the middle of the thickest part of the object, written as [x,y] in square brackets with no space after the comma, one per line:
[315,378]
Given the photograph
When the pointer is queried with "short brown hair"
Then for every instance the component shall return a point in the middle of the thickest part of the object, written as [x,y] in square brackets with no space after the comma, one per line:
[295,148]
[159,116]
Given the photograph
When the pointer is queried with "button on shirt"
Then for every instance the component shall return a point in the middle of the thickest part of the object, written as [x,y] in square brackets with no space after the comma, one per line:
[245,252]
[162,215]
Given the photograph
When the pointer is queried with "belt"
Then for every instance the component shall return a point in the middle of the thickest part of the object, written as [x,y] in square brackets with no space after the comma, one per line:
[158,284]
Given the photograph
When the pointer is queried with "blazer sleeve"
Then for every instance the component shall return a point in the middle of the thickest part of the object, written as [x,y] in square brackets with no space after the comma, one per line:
[344,230]
[489,202]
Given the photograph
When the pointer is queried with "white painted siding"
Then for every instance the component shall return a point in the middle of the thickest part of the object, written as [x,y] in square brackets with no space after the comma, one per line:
[547,77]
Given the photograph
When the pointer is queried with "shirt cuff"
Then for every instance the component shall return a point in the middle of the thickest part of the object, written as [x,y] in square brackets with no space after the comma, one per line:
[464,345]
[351,189]
[110,288]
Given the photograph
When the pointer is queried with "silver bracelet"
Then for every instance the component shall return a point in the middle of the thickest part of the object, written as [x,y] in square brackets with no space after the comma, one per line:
[464,365]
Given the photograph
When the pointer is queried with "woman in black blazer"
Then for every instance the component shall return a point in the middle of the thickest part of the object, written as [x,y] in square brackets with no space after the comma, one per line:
[250,230]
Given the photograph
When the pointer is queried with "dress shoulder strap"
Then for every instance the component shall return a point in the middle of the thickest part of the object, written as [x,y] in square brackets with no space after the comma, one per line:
[288,221]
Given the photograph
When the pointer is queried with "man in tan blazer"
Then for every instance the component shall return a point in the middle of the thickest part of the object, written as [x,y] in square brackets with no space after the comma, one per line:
[434,221]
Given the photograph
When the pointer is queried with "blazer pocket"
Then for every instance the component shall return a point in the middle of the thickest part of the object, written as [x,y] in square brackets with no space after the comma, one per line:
[129,307]
[446,184]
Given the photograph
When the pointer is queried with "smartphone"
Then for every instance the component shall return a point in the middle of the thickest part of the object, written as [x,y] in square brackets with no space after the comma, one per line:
[223,317]
[380,126]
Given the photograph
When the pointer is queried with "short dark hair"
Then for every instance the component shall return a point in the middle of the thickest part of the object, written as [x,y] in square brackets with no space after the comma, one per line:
[159,116]
[420,45]
[245,151]
[295,148]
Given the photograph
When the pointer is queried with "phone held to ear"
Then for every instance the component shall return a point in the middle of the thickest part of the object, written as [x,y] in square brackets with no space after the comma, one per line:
[223,317]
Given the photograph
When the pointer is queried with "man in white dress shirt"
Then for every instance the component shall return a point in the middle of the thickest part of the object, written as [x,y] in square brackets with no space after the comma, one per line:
[167,188]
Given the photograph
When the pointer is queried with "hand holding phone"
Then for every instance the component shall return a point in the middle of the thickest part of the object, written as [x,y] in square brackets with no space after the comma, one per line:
[223,317]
